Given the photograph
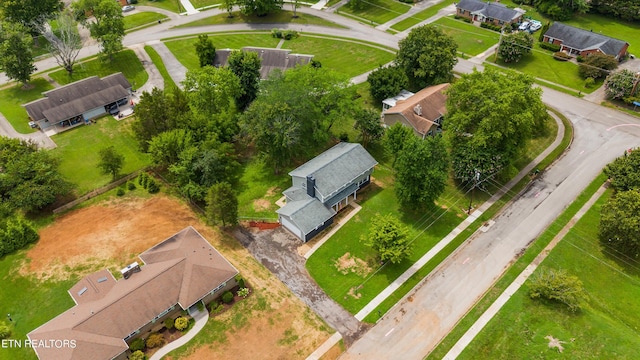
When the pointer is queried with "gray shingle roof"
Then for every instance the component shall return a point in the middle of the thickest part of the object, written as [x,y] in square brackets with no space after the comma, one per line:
[271,59]
[490,9]
[336,167]
[307,214]
[580,39]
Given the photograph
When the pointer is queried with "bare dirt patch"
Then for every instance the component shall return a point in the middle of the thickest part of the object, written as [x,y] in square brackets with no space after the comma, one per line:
[348,263]
[264,204]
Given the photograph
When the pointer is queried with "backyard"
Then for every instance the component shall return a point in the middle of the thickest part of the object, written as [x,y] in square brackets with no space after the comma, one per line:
[602,329]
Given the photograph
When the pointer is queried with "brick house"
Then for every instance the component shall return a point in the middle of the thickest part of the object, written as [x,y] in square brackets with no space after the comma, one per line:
[488,12]
[575,41]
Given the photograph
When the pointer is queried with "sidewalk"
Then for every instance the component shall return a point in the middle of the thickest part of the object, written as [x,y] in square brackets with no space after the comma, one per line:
[416,8]
[176,70]
[201,318]
[482,321]
[449,10]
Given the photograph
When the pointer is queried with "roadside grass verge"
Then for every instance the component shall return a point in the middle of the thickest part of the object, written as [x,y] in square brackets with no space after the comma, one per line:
[277,17]
[603,329]
[487,215]
[471,40]
[78,151]
[378,11]
[12,99]
[421,16]
[30,302]
[198,4]
[157,61]
[125,61]
[170,5]
[142,18]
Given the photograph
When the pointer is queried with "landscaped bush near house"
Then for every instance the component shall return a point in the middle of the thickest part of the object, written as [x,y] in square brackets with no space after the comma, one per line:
[227,297]
[589,82]
[491,27]
[561,56]
[579,58]
[550,46]
[243,292]
[465,19]
[168,323]
[137,355]
[155,340]
[240,281]
[137,344]
[181,323]
[215,307]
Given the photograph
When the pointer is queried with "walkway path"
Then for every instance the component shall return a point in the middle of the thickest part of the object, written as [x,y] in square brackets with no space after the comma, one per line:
[475,329]
[190,10]
[176,70]
[201,318]
[451,9]
[416,8]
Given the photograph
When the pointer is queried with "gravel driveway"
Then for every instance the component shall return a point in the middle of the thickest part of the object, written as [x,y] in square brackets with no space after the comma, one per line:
[276,250]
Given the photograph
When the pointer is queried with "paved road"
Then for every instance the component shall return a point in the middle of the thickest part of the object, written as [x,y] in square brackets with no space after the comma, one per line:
[427,314]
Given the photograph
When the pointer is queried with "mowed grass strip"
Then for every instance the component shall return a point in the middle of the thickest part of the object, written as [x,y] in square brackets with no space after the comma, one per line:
[421,16]
[12,99]
[471,40]
[378,11]
[125,61]
[202,3]
[171,5]
[142,18]
[277,17]
[603,329]
[78,151]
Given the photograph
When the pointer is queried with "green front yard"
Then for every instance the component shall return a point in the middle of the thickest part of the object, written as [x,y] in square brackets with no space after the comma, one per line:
[142,18]
[125,61]
[606,328]
[202,3]
[421,16]
[378,11]
[78,151]
[12,99]
[277,17]
[171,5]
[471,40]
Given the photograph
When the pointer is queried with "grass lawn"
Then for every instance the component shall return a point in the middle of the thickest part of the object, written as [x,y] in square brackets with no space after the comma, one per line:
[202,3]
[259,189]
[421,16]
[12,98]
[378,11]
[78,151]
[184,49]
[614,28]
[171,5]
[471,40]
[278,17]
[604,329]
[30,302]
[157,61]
[142,18]
[125,61]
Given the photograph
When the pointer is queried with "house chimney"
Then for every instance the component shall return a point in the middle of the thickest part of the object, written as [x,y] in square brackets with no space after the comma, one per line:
[311,183]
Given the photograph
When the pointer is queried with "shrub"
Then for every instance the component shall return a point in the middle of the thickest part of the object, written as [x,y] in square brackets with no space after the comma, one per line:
[152,186]
[137,355]
[120,191]
[15,234]
[550,46]
[561,56]
[181,323]
[557,285]
[155,340]
[543,31]
[131,185]
[597,65]
[491,27]
[143,178]
[5,330]
[244,292]
[168,323]
[290,34]
[240,281]
[589,82]
[579,58]
[276,33]
[344,137]
[137,345]
[227,297]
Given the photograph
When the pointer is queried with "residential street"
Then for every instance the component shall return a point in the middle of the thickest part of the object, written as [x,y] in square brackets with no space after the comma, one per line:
[416,324]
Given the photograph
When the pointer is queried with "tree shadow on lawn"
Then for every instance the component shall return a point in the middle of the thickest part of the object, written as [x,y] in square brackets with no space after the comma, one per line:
[630,265]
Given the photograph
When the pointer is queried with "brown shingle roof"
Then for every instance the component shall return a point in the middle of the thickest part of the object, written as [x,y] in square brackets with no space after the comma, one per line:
[179,271]
[423,108]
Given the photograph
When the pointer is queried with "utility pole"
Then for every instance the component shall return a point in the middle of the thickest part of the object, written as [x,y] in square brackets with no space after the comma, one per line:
[476,178]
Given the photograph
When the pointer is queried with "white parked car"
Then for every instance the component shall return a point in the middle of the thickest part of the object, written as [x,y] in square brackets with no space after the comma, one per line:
[535,25]
[524,26]
[128,8]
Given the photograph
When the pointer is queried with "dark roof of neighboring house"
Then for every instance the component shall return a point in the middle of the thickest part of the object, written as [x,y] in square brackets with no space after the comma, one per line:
[490,9]
[337,167]
[78,97]
[307,214]
[580,39]
[180,270]
[422,109]
[271,59]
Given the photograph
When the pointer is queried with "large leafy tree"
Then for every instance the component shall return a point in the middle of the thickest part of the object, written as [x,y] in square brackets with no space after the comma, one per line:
[623,9]
[597,65]
[395,138]
[259,7]
[29,13]
[427,56]
[620,223]
[206,50]
[30,179]
[159,111]
[561,9]
[16,58]
[491,114]
[421,171]
[15,233]
[386,82]
[622,85]
[222,204]
[389,237]
[111,161]
[108,26]
[514,46]
[246,66]
[369,124]
[624,172]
